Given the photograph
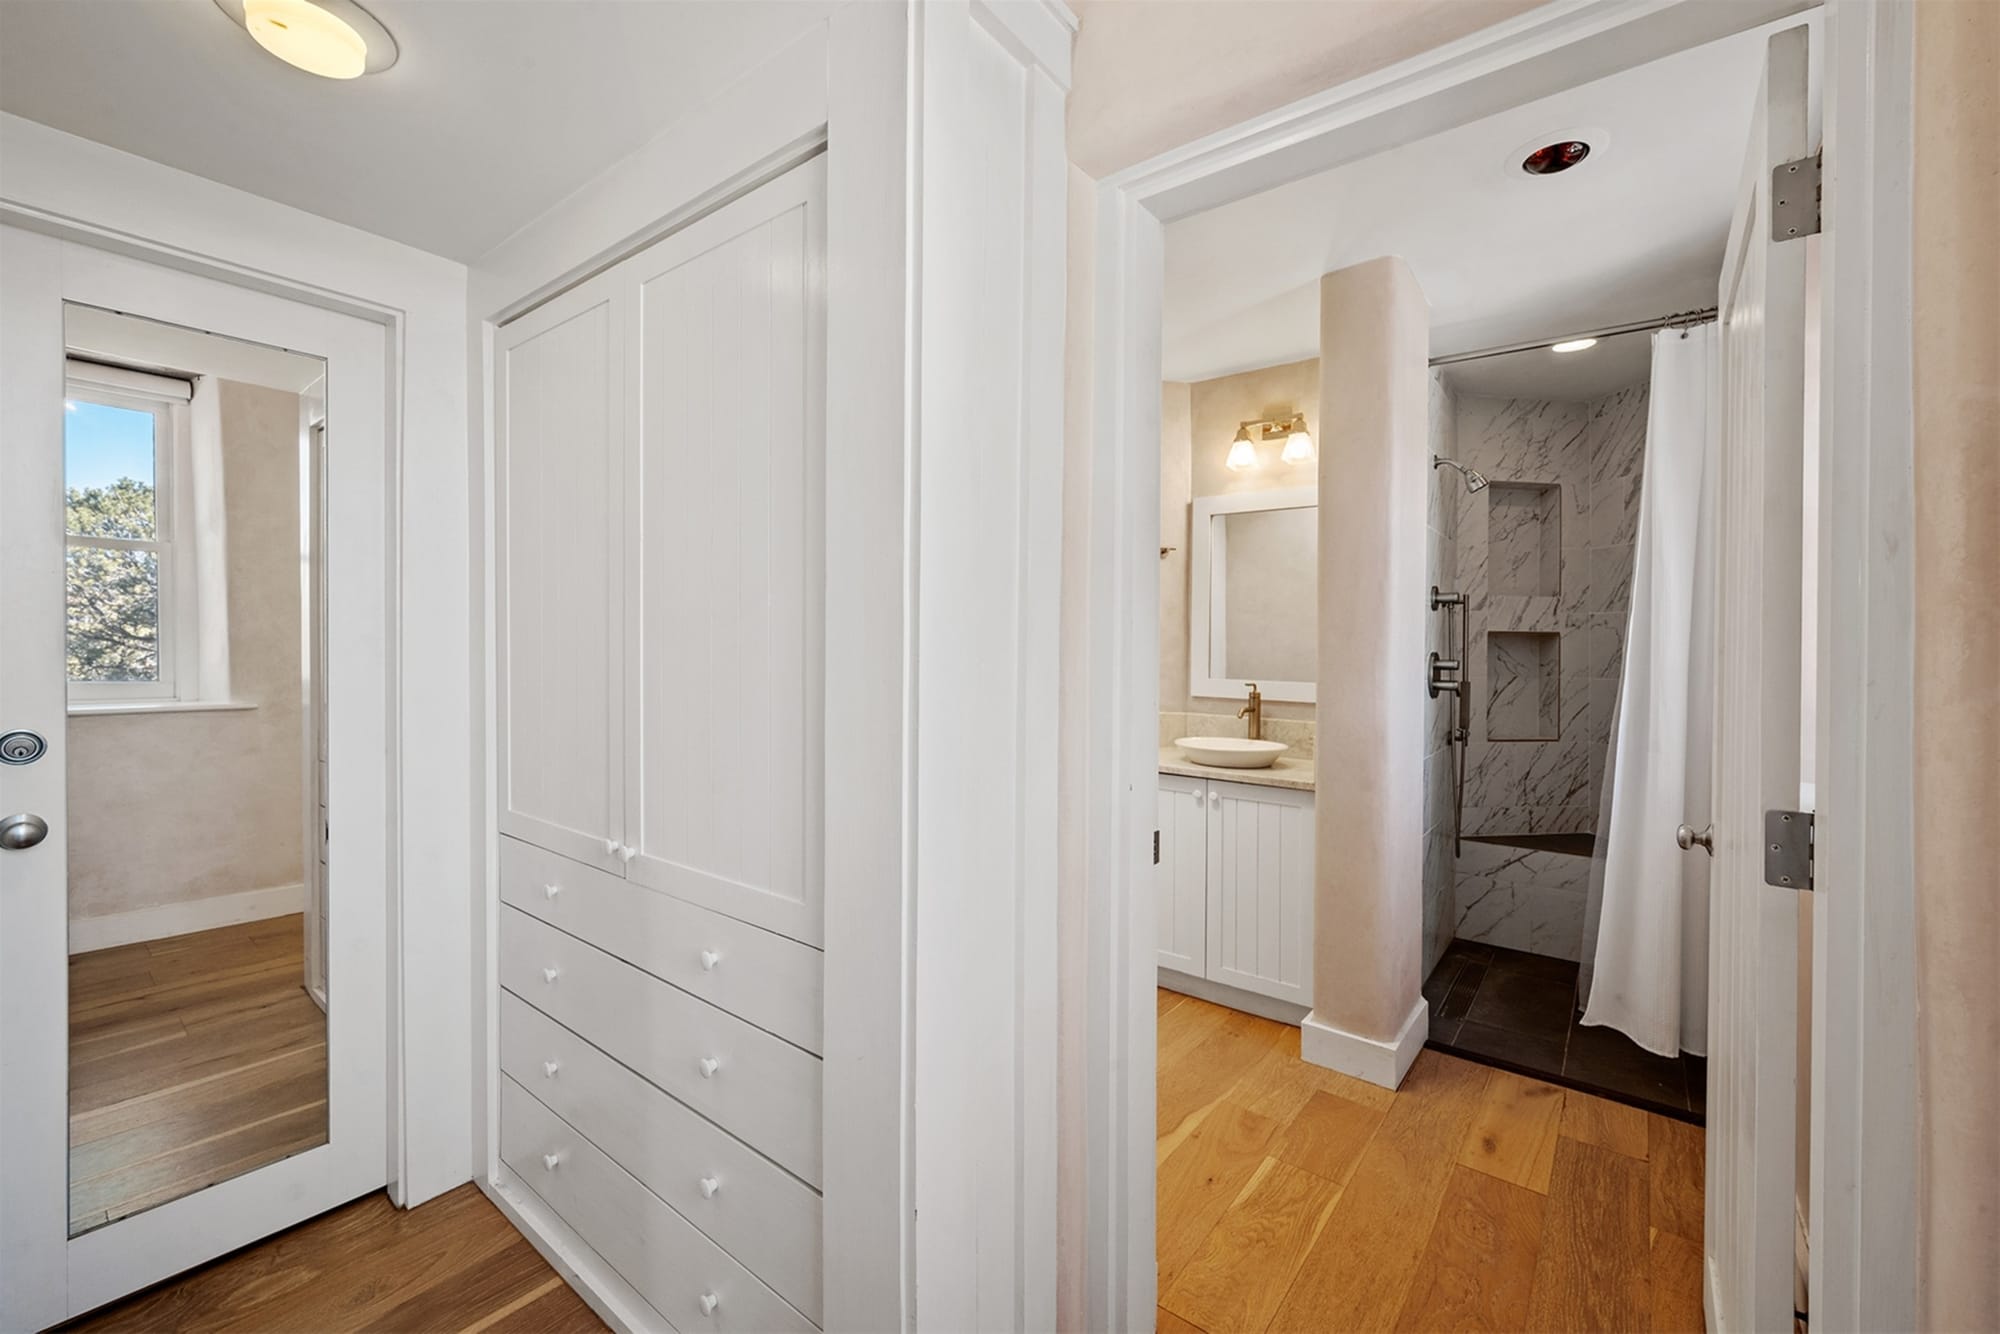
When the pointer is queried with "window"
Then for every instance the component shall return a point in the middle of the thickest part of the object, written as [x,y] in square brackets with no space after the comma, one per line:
[118,464]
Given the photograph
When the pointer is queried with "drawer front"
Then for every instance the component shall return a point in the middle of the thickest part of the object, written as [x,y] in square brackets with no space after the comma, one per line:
[658,1252]
[752,973]
[759,1213]
[760,1088]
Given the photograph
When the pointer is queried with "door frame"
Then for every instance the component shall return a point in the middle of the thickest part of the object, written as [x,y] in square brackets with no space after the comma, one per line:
[1864,1230]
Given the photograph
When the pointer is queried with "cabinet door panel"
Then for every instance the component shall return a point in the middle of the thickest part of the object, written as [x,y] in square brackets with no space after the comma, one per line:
[557,386]
[1181,877]
[1260,890]
[724,803]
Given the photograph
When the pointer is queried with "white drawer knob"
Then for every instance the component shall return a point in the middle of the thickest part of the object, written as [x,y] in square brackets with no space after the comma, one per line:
[709,958]
[709,1065]
[550,891]
[551,974]
[709,1185]
[551,1161]
[626,852]
[709,1301]
[611,847]
[549,1069]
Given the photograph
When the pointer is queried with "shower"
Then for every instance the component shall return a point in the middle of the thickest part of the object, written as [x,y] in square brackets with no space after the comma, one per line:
[1475,481]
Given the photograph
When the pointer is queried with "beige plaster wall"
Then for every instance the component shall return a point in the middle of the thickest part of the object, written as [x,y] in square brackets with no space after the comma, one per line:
[1176,423]
[170,807]
[1956,387]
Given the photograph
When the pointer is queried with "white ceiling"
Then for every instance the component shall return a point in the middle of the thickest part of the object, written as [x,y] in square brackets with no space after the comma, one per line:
[1565,377]
[150,345]
[496,109]
[1636,231]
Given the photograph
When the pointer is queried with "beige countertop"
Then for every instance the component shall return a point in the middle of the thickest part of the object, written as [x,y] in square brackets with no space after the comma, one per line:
[1289,771]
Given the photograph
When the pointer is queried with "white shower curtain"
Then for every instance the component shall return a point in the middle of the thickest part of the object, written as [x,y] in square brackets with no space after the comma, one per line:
[1645,947]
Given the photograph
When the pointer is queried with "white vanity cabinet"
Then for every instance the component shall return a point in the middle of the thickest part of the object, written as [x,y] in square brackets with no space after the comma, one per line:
[1235,885]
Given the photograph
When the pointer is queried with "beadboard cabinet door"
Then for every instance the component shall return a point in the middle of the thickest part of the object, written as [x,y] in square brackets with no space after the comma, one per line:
[1260,890]
[558,385]
[727,507]
[1181,878]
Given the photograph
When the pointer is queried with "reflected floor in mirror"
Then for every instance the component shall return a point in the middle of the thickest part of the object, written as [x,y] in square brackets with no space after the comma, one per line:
[193,1059]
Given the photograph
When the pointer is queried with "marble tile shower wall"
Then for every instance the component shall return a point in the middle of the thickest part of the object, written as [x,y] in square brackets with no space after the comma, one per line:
[1548,564]
[1441,562]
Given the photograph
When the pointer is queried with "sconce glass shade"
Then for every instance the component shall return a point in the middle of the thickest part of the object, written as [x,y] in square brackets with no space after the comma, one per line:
[1298,445]
[1242,454]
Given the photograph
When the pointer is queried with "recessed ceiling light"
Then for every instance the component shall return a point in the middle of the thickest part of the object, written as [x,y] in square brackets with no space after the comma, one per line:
[1556,157]
[335,39]
[1574,345]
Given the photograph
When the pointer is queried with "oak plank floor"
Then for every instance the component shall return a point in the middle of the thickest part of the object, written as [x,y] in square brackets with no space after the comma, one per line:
[193,1059]
[453,1264]
[1295,1198]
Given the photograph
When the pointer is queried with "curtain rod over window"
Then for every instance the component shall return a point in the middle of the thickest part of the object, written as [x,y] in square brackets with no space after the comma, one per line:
[106,375]
[1684,320]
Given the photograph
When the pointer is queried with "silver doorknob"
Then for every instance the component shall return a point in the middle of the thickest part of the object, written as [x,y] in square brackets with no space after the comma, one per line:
[1688,838]
[22,831]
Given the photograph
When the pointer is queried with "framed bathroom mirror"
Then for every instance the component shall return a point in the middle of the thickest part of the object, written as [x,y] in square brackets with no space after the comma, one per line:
[1253,608]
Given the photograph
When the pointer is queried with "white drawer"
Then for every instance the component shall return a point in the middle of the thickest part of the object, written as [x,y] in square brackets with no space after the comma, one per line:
[760,1088]
[759,1213]
[658,1252]
[755,974]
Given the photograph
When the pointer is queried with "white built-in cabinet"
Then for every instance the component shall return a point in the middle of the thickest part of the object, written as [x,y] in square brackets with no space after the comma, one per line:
[659,442]
[1235,885]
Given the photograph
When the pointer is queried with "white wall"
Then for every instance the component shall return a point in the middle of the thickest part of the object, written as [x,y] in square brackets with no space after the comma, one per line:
[86,192]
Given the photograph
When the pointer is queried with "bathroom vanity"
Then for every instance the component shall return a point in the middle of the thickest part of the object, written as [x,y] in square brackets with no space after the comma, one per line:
[1235,884]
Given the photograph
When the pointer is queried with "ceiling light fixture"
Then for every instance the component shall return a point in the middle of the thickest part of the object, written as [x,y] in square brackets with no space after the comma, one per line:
[1560,156]
[1574,345]
[335,39]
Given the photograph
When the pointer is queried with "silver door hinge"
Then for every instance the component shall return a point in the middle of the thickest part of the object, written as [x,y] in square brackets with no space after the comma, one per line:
[1788,849]
[1795,196]
[1156,847]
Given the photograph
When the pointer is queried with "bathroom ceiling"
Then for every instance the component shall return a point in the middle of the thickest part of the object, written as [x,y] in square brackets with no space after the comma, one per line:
[1569,377]
[1636,231]
[495,111]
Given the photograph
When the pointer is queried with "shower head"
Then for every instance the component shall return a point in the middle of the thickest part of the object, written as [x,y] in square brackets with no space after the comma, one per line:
[1475,481]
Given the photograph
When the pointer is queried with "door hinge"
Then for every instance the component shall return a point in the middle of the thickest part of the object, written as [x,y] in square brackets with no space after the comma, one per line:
[1795,193]
[1156,847]
[1788,849]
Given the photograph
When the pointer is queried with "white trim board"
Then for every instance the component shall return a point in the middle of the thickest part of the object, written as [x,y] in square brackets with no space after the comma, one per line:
[162,920]
[1383,1063]
[1865,462]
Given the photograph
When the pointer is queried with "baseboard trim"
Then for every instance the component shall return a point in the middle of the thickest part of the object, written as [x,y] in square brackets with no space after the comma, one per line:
[1264,1007]
[1378,1062]
[177,919]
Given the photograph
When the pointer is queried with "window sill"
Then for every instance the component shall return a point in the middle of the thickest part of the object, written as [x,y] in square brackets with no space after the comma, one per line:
[95,706]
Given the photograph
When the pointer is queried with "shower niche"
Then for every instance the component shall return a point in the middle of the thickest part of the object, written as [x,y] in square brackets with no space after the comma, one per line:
[1524,539]
[1523,685]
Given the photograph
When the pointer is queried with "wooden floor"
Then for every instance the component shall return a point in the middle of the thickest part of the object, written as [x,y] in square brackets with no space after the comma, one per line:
[1295,1198]
[454,1264]
[193,1059]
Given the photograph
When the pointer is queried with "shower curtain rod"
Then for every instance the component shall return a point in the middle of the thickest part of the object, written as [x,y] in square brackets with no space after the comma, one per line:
[1685,320]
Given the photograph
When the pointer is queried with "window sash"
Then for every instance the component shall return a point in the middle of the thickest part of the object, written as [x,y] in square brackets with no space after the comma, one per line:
[166,456]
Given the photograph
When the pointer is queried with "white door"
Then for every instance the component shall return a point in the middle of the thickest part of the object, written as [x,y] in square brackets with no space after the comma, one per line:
[47,1275]
[726,510]
[1753,969]
[558,380]
[1260,890]
[1181,878]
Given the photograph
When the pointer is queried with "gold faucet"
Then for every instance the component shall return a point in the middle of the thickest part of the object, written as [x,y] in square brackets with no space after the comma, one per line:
[1254,710]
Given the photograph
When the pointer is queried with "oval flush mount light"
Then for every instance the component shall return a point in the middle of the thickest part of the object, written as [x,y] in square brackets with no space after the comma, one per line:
[1550,159]
[1574,345]
[335,39]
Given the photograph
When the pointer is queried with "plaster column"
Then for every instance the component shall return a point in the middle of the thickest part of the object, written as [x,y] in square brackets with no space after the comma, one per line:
[1369,1019]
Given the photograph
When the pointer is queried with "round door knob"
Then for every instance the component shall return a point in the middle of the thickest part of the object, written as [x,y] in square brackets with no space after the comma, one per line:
[709,1301]
[709,1065]
[551,1161]
[709,958]
[549,1069]
[1689,839]
[709,1185]
[551,974]
[22,831]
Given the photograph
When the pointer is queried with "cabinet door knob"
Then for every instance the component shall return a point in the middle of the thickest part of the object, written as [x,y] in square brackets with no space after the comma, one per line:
[709,1185]
[709,958]
[551,1161]
[551,974]
[709,1301]
[709,1065]
[549,1069]
[611,847]
[626,852]
[550,891]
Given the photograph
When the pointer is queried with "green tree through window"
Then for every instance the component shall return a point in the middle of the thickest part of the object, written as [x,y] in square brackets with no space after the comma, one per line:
[114,592]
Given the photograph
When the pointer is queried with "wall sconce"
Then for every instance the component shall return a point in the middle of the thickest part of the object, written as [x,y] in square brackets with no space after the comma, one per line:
[1298,446]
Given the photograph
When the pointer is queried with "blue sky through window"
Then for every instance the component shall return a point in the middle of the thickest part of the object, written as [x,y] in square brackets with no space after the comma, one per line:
[102,444]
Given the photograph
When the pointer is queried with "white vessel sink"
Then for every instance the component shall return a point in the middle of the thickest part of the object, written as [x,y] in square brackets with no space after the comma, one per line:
[1231,752]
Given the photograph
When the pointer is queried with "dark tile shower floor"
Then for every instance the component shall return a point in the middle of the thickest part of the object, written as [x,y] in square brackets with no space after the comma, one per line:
[1518,1011]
